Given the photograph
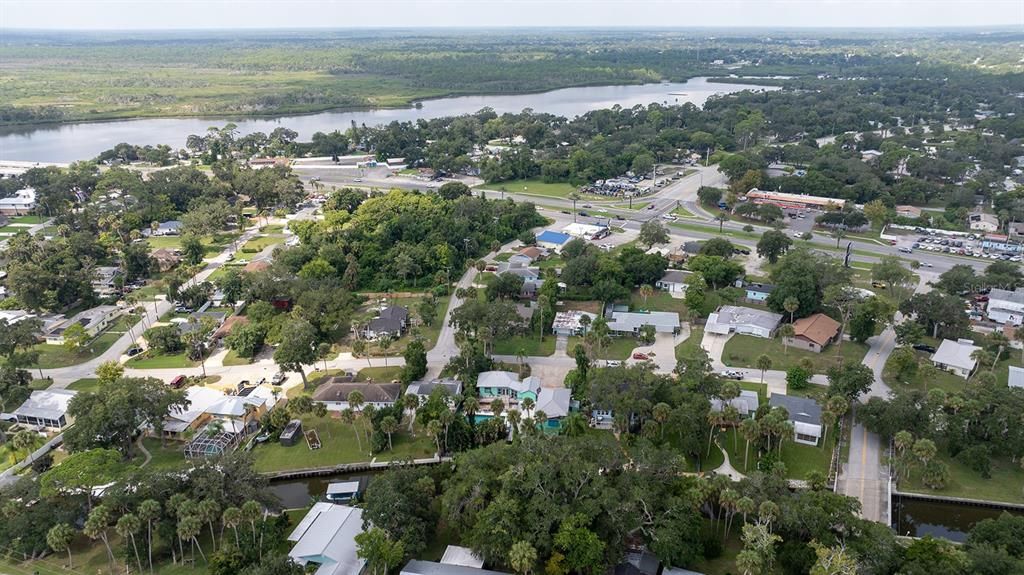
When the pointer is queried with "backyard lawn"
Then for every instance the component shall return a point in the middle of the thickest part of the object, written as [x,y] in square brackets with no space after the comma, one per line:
[942,379]
[799,459]
[339,445]
[233,359]
[145,361]
[743,351]
[259,243]
[33,220]
[530,345]
[379,374]
[211,244]
[660,300]
[1006,483]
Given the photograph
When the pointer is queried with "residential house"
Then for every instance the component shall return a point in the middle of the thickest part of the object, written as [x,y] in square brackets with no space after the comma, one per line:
[93,320]
[552,240]
[334,394]
[417,567]
[240,414]
[228,326]
[674,281]
[868,155]
[746,404]
[1006,307]
[13,316]
[637,561]
[570,322]
[165,259]
[46,409]
[325,540]
[554,402]
[462,556]
[168,228]
[104,280]
[743,320]
[179,423]
[391,321]
[532,281]
[955,357]
[983,222]
[804,414]
[814,333]
[195,320]
[531,253]
[630,323]
[423,389]
[757,292]
[21,203]
[908,211]
[1016,378]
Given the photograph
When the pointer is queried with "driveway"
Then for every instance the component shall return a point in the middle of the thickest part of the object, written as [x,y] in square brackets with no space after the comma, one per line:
[662,352]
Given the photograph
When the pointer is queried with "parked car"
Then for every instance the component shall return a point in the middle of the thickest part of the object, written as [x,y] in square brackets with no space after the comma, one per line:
[924,347]
[613,363]
[133,351]
[878,285]
[650,206]
[178,382]
[278,378]
[906,250]
[640,356]
[732,374]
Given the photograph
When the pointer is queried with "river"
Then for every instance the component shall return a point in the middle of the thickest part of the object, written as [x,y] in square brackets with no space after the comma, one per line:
[64,143]
[948,520]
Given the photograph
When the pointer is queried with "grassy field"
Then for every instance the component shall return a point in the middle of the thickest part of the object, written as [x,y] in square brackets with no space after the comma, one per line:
[799,459]
[211,244]
[259,243]
[233,359]
[618,348]
[31,220]
[660,300]
[1006,483]
[145,361]
[942,379]
[530,345]
[339,445]
[534,186]
[692,343]
[743,351]
[85,384]
[52,356]
[379,374]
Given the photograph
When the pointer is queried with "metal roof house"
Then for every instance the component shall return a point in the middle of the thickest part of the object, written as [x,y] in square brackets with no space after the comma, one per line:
[326,539]
[1005,306]
[746,404]
[625,322]
[955,357]
[46,408]
[674,281]
[744,320]
[804,414]
[417,567]
[423,389]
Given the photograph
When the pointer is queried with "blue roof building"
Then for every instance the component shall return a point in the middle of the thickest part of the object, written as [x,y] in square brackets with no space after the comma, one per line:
[552,240]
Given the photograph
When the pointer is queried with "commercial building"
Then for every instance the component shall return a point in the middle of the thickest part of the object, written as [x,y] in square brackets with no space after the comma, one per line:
[814,333]
[552,240]
[793,201]
[955,357]
[743,320]
[586,231]
[46,409]
[1006,307]
[983,222]
[326,539]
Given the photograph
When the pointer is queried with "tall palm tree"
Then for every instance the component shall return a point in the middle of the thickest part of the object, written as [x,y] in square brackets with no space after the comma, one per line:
[514,418]
[389,425]
[522,557]
[411,402]
[208,511]
[999,341]
[59,538]
[96,528]
[791,304]
[722,218]
[127,526]
[521,357]
[764,363]
[527,404]
[785,332]
[251,512]
[232,518]
[660,412]
[750,431]
[384,343]
[646,291]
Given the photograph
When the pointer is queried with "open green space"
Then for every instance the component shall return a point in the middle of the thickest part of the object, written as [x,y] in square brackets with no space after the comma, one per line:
[85,384]
[1006,483]
[692,343]
[33,220]
[534,186]
[528,345]
[799,459]
[379,374]
[339,445]
[211,244]
[943,380]
[259,243]
[743,351]
[147,361]
[53,356]
[617,348]
[660,300]
[233,359]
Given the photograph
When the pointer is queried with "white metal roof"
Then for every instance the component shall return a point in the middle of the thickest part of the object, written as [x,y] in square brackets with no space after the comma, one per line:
[326,536]
[955,354]
[46,403]
[342,487]
[464,556]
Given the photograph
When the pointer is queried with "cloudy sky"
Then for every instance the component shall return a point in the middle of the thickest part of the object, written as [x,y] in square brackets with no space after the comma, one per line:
[192,14]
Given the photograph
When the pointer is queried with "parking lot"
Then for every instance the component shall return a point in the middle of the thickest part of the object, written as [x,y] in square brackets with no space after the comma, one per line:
[970,245]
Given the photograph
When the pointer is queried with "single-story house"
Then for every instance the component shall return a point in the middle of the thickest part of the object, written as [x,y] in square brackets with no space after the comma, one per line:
[570,322]
[555,402]
[814,333]
[168,228]
[625,322]
[229,325]
[390,321]
[1005,306]
[46,408]
[218,318]
[21,203]
[103,282]
[746,404]
[13,316]
[744,320]
[804,414]
[165,259]
[955,357]
[674,281]
[418,567]
[758,292]
[534,253]
[1016,377]
[93,320]
[326,538]
[532,281]
[463,556]
[983,222]
[552,240]
[870,154]
[240,414]
[423,389]
[334,394]
[178,421]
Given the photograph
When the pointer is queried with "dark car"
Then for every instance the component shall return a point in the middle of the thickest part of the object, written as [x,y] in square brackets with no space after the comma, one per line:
[582,213]
[134,351]
[924,347]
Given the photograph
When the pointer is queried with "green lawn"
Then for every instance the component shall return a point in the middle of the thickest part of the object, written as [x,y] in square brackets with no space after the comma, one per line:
[724,564]
[53,356]
[534,186]
[379,374]
[145,361]
[943,379]
[530,345]
[743,351]
[167,456]
[503,256]
[799,459]
[1006,483]
[233,359]
[259,243]
[339,445]
[660,300]
[618,348]
[211,244]
[692,343]
[85,384]
[27,220]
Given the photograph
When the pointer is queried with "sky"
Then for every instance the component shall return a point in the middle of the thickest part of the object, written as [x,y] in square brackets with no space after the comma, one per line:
[253,14]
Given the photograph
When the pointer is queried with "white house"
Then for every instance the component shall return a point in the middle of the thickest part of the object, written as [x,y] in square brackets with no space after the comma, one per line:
[983,222]
[624,322]
[47,408]
[423,389]
[746,404]
[93,320]
[1006,306]
[744,320]
[570,322]
[21,203]
[326,539]
[1016,378]
[955,357]
[674,281]
[804,414]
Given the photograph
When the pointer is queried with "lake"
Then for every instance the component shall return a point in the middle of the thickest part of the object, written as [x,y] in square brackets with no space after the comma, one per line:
[64,143]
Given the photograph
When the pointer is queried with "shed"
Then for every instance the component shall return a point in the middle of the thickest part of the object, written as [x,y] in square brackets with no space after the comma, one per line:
[292,432]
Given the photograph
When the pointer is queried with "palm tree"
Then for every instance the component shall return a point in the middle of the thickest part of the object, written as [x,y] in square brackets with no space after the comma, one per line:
[497,407]
[646,291]
[660,412]
[251,512]
[791,304]
[384,343]
[232,518]
[542,304]
[348,416]
[785,332]
[189,527]
[96,528]
[411,402]
[470,405]
[23,440]
[981,356]
[127,526]
[434,428]
[514,418]
[714,420]
[999,341]
[746,506]
[722,218]
[727,500]
[359,348]
[522,557]
[208,510]
[750,431]
[389,425]
[828,419]
[59,538]
[521,357]
[574,425]
[764,363]
[541,418]
[527,404]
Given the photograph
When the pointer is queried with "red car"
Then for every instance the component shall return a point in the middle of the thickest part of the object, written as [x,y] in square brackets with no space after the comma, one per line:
[892,242]
[640,356]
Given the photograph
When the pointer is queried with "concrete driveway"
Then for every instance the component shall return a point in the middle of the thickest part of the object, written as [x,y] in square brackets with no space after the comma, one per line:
[662,352]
